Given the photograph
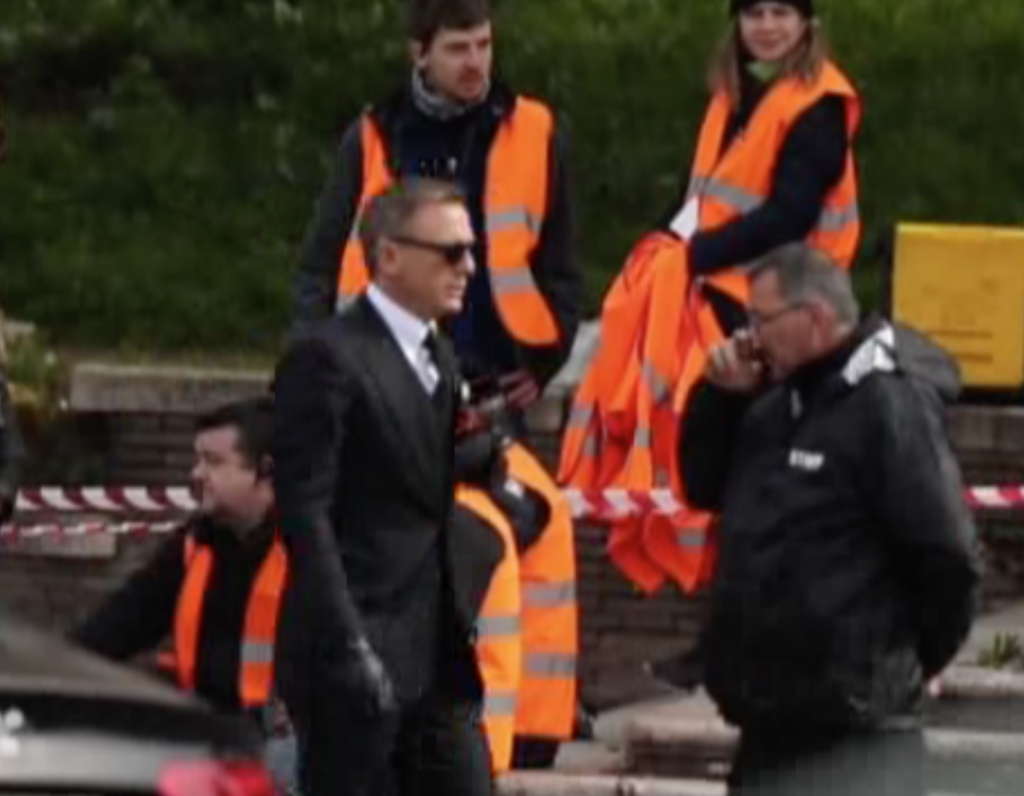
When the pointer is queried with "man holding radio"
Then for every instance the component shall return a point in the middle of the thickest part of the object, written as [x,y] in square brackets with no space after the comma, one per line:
[847,577]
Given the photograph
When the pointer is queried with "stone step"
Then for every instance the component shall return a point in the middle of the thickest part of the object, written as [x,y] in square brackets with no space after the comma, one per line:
[666,746]
[963,686]
[543,783]
[590,757]
[976,682]
[520,783]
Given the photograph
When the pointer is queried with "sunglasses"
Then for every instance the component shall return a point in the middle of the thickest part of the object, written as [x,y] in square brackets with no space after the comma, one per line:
[451,253]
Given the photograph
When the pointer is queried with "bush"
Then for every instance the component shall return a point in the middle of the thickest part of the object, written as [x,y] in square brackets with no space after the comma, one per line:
[164,156]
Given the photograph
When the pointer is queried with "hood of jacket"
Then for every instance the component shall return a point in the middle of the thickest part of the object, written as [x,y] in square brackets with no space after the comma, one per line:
[891,348]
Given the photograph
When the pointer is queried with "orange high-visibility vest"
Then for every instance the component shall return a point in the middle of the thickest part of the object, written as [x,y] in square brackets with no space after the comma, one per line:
[550,616]
[499,644]
[737,181]
[623,429]
[515,207]
[651,549]
[601,424]
[256,677]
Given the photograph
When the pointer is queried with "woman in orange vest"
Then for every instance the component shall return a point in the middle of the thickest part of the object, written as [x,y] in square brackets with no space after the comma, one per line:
[774,164]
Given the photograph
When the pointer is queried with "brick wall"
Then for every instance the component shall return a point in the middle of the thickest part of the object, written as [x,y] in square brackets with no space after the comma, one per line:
[621,629]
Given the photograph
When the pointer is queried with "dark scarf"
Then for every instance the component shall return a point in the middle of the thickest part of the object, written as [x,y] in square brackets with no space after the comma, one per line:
[435,106]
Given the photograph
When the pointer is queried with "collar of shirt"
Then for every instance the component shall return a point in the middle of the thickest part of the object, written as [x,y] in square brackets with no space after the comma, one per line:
[409,331]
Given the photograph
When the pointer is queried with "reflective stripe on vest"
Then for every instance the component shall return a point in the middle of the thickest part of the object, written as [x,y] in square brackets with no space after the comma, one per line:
[550,665]
[500,705]
[256,654]
[499,643]
[515,196]
[547,696]
[829,220]
[737,181]
[549,595]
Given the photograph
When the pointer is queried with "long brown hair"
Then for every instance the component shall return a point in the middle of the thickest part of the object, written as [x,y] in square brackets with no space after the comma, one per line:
[804,63]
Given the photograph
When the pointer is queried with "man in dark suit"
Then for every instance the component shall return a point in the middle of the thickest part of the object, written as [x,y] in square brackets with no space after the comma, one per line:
[375,658]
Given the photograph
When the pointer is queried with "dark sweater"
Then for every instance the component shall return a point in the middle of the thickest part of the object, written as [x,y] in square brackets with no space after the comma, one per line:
[809,166]
[140,615]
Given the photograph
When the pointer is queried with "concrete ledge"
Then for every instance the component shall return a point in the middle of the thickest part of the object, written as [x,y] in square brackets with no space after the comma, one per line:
[987,429]
[538,783]
[97,387]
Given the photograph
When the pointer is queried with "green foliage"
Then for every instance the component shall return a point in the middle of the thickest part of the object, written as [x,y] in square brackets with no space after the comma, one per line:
[1005,651]
[164,155]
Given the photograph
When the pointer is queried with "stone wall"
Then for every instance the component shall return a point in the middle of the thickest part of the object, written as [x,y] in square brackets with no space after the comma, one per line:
[146,421]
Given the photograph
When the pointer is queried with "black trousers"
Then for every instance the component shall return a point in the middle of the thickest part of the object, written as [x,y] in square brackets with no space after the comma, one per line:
[433,746]
[432,743]
[795,763]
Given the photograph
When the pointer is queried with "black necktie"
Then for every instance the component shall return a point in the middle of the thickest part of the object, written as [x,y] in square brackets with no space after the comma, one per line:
[438,397]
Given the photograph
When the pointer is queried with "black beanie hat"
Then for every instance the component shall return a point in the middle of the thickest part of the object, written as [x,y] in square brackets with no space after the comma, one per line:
[805,7]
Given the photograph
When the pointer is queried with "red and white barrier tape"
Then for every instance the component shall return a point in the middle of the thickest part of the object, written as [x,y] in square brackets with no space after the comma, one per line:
[605,505]
[617,503]
[107,499]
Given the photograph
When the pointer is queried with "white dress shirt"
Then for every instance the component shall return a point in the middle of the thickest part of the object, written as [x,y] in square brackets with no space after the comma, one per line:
[410,333]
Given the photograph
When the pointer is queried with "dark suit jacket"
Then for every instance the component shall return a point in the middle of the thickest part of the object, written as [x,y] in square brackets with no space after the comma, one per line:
[363,473]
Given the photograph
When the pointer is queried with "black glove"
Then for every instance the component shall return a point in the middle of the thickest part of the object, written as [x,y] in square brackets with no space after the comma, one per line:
[7,504]
[364,679]
[476,457]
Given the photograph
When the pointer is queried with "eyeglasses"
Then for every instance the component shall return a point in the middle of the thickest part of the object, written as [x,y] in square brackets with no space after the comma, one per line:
[451,253]
[758,321]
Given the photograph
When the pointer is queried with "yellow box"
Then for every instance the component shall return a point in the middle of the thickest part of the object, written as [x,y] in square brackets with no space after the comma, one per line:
[964,287]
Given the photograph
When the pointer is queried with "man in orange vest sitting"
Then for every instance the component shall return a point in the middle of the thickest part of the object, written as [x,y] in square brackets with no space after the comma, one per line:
[451,121]
[214,586]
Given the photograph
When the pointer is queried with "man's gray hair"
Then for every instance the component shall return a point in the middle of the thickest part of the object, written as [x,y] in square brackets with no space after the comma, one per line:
[807,274]
[388,214]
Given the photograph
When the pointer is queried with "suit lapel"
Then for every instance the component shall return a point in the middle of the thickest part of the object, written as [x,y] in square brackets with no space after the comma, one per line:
[414,428]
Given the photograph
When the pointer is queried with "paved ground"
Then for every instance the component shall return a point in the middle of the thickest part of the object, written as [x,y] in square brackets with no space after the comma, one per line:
[606,754]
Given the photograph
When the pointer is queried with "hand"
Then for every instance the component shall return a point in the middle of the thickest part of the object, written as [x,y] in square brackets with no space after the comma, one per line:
[366,679]
[520,389]
[736,365]
[469,422]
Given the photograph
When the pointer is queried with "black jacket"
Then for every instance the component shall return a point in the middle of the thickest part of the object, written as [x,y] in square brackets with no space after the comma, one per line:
[423,146]
[363,464]
[847,573]
[139,615]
